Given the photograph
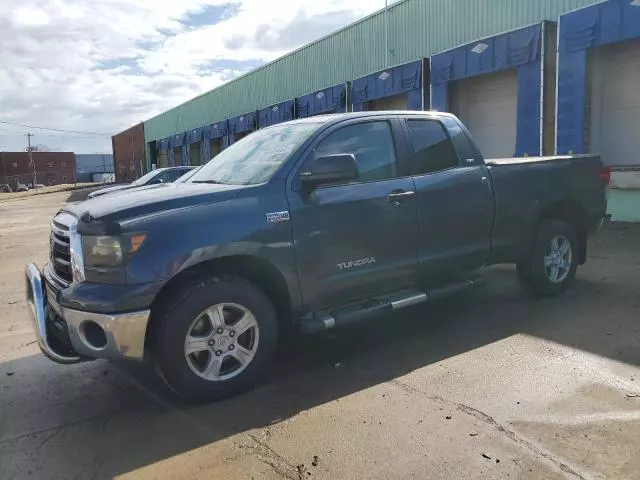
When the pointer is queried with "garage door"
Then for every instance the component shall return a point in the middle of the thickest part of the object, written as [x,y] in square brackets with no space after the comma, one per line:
[615,103]
[487,105]
[395,102]
[216,148]
[163,159]
[194,154]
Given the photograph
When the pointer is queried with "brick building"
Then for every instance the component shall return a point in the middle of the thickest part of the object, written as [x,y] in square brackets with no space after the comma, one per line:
[129,153]
[52,168]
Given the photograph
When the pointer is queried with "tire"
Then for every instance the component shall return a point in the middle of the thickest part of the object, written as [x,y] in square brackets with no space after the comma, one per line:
[214,370]
[538,272]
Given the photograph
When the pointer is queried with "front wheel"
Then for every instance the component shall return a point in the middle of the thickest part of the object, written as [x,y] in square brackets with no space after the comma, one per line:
[215,339]
[552,264]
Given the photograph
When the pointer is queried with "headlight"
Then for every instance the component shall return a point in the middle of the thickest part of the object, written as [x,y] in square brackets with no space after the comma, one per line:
[102,251]
[109,251]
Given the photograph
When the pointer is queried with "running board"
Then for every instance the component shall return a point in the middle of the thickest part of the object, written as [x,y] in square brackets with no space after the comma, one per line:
[343,317]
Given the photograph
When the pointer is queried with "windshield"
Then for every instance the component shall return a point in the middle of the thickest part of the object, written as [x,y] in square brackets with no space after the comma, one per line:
[255,158]
[146,177]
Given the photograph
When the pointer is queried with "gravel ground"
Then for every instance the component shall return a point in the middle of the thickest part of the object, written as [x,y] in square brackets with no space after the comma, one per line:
[491,384]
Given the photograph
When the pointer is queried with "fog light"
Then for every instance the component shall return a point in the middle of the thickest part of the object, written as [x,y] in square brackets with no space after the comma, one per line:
[94,334]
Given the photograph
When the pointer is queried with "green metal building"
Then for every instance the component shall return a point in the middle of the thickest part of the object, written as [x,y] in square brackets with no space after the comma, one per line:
[416,29]
[528,77]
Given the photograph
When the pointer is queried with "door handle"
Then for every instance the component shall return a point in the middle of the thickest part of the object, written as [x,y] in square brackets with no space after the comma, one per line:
[398,197]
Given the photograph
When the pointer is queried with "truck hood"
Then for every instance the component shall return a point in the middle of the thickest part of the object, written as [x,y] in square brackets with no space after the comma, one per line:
[138,202]
[115,188]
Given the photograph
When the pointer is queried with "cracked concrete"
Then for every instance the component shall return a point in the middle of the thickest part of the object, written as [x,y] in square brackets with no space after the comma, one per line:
[489,385]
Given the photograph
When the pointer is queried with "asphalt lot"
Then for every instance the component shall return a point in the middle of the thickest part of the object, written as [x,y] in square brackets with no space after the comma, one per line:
[492,384]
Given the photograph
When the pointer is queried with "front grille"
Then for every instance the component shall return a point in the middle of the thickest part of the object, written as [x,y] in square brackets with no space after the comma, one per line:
[60,253]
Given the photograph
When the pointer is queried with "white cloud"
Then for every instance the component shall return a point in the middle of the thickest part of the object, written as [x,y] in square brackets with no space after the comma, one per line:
[104,65]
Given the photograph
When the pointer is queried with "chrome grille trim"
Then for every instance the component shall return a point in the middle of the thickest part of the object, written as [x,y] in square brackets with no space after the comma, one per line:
[63,227]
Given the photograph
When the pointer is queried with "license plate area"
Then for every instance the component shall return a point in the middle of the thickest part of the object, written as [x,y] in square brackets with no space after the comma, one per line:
[52,300]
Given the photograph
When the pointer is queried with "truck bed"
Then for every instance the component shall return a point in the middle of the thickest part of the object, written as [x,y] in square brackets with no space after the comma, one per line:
[524,188]
[498,162]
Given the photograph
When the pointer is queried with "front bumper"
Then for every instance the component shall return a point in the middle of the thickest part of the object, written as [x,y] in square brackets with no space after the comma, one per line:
[87,335]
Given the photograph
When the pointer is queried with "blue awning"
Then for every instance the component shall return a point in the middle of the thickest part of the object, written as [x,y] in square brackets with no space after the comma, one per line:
[388,82]
[278,113]
[162,145]
[520,49]
[601,24]
[243,123]
[215,130]
[177,140]
[332,99]
[195,135]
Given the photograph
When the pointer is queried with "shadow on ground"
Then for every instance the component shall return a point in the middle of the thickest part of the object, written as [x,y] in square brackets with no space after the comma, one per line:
[113,419]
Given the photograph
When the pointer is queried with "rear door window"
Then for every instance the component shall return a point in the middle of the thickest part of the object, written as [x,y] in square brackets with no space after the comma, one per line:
[433,151]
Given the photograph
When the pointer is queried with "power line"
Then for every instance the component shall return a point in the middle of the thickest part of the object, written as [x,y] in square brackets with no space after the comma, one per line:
[48,135]
[52,129]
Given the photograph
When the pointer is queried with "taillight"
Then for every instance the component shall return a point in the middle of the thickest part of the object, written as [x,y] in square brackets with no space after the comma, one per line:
[605,175]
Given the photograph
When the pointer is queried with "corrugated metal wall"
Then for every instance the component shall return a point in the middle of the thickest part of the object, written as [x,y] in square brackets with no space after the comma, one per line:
[417,28]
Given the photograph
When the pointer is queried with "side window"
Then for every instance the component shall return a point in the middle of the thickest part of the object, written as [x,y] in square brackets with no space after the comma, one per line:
[163,177]
[372,145]
[433,149]
[175,174]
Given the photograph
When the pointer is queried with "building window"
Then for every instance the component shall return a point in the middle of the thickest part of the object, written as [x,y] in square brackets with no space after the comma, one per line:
[15,164]
[64,179]
[64,164]
[50,164]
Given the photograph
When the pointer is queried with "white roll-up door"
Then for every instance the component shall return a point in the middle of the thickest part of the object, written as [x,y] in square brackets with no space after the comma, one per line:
[394,102]
[488,105]
[615,103]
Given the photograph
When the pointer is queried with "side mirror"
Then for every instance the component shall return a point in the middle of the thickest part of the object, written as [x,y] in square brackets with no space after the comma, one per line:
[340,168]
[157,180]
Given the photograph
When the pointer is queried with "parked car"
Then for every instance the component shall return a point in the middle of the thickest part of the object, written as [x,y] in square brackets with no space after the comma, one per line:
[154,177]
[22,188]
[5,188]
[187,176]
[308,225]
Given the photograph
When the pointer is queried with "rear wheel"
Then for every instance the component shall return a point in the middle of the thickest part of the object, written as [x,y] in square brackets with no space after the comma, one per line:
[215,339]
[552,264]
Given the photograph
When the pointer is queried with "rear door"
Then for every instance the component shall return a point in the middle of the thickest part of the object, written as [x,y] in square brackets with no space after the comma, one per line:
[455,200]
[356,240]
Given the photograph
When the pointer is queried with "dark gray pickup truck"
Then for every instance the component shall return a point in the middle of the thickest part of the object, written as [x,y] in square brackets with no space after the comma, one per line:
[307,225]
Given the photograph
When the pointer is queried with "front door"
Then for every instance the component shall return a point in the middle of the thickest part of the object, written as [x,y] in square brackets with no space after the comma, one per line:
[357,240]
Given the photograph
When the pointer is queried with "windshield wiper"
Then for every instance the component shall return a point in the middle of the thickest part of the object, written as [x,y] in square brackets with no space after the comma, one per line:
[212,182]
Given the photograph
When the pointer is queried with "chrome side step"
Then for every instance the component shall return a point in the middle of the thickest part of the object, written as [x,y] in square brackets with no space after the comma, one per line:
[345,316]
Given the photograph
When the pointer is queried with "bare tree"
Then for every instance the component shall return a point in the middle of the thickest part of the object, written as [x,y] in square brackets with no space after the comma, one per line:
[38,148]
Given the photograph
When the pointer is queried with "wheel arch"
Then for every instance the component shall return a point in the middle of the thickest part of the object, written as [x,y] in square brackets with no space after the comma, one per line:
[571,213]
[256,270]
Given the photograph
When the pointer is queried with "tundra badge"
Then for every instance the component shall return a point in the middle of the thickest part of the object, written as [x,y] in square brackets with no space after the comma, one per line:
[356,263]
[277,217]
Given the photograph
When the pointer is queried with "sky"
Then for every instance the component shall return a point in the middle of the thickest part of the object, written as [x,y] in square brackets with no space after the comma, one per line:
[97,67]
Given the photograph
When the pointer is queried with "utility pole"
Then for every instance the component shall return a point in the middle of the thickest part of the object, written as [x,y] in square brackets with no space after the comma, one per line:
[33,163]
